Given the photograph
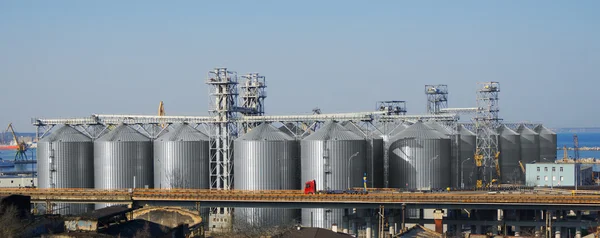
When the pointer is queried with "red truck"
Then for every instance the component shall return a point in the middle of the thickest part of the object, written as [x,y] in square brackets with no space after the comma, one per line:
[310,187]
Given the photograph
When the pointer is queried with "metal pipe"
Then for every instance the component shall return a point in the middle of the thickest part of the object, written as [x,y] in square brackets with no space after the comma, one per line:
[350,166]
[462,175]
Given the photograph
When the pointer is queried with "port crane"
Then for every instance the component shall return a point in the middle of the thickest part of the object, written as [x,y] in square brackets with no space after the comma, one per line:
[21,146]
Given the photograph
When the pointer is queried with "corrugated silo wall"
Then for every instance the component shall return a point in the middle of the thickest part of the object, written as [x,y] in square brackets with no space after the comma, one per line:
[266,165]
[117,163]
[510,154]
[530,148]
[454,161]
[410,164]
[312,153]
[548,146]
[467,152]
[73,162]
[181,164]
[375,174]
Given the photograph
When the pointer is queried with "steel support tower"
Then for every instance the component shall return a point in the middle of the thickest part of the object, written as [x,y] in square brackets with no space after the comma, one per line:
[486,123]
[437,98]
[253,94]
[252,98]
[223,107]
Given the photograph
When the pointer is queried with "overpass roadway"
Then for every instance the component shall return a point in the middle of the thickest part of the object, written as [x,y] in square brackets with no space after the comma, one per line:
[296,199]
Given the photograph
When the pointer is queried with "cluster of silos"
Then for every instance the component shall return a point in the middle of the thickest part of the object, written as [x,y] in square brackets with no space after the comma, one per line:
[123,159]
[65,159]
[266,158]
[509,143]
[419,158]
[335,157]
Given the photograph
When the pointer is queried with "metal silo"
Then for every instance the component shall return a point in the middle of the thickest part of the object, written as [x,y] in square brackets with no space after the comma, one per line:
[266,159]
[123,159]
[530,145]
[326,156]
[454,150]
[419,158]
[467,146]
[547,143]
[509,143]
[374,140]
[66,160]
[181,159]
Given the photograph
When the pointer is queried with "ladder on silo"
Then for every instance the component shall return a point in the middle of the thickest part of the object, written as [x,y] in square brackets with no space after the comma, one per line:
[51,167]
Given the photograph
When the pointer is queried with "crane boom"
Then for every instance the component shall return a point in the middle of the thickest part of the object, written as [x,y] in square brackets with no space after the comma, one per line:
[10,128]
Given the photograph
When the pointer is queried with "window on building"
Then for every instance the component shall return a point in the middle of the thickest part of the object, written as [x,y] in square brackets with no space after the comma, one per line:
[538,168]
[561,169]
[545,178]
[546,169]
[553,169]
[553,178]
[538,177]
[562,178]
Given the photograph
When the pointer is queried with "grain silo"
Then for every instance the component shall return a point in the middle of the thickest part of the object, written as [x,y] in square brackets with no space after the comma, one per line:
[331,156]
[419,158]
[530,145]
[468,142]
[266,159]
[65,159]
[374,140]
[454,160]
[509,143]
[123,159]
[181,159]
[547,143]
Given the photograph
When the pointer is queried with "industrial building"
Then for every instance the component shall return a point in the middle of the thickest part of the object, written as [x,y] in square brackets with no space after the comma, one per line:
[247,150]
[558,174]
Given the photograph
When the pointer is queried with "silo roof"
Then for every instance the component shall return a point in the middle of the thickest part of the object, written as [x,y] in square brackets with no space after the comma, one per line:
[66,134]
[333,131]
[505,131]
[399,129]
[360,130]
[439,127]
[266,131]
[541,129]
[123,133]
[419,131]
[523,130]
[463,131]
[183,132]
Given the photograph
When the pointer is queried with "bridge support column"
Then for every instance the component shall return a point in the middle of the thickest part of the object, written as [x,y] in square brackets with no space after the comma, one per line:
[421,216]
[438,216]
[346,222]
[392,225]
[369,228]
[355,227]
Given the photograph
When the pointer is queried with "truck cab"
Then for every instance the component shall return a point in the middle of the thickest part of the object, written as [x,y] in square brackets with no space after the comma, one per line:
[310,187]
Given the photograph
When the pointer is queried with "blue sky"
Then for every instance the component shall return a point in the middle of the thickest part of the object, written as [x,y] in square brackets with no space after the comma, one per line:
[76,58]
